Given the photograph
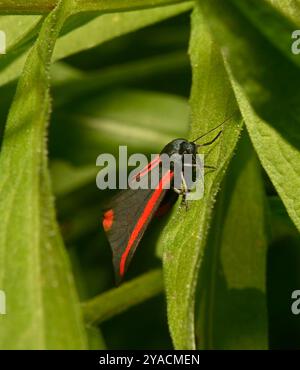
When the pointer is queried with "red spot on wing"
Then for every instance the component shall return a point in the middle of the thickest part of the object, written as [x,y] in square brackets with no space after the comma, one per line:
[144,217]
[108,219]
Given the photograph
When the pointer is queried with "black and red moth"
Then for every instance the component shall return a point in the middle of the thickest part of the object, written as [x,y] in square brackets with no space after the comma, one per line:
[131,211]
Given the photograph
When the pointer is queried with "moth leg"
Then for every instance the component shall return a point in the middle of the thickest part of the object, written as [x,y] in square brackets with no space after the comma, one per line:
[178,191]
[183,184]
[190,165]
[213,140]
[185,202]
[184,190]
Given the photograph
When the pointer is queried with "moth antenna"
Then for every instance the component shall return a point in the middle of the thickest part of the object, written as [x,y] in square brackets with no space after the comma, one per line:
[211,141]
[213,129]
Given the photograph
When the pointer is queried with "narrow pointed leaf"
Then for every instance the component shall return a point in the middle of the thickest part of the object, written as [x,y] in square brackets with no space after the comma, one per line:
[260,74]
[183,240]
[43,309]
[102,28]
[232,300]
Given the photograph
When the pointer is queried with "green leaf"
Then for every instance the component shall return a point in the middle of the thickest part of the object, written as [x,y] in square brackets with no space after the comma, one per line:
[17,29]
[95,338]
[109,26]
[271,145]
[271,116]
[100,124]
[106,6]
[289,8]
[183,239]
[117,300]
[280,159]
[42,305]
[71,84]
[232,301]
[103,28]
[20,32]
[276,20]
[45,6]
[282,225]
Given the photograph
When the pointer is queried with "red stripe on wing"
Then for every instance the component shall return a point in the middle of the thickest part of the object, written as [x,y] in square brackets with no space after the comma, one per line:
[143,218]
[149,167]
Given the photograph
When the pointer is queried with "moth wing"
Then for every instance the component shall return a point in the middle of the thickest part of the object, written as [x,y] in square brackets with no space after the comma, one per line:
[127,218]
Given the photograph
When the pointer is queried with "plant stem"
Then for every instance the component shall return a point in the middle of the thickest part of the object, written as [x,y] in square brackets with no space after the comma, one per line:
[106,6]
[120,299]
[27,7]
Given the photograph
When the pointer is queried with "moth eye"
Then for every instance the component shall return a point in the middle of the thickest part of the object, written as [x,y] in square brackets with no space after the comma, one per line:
[183,148]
